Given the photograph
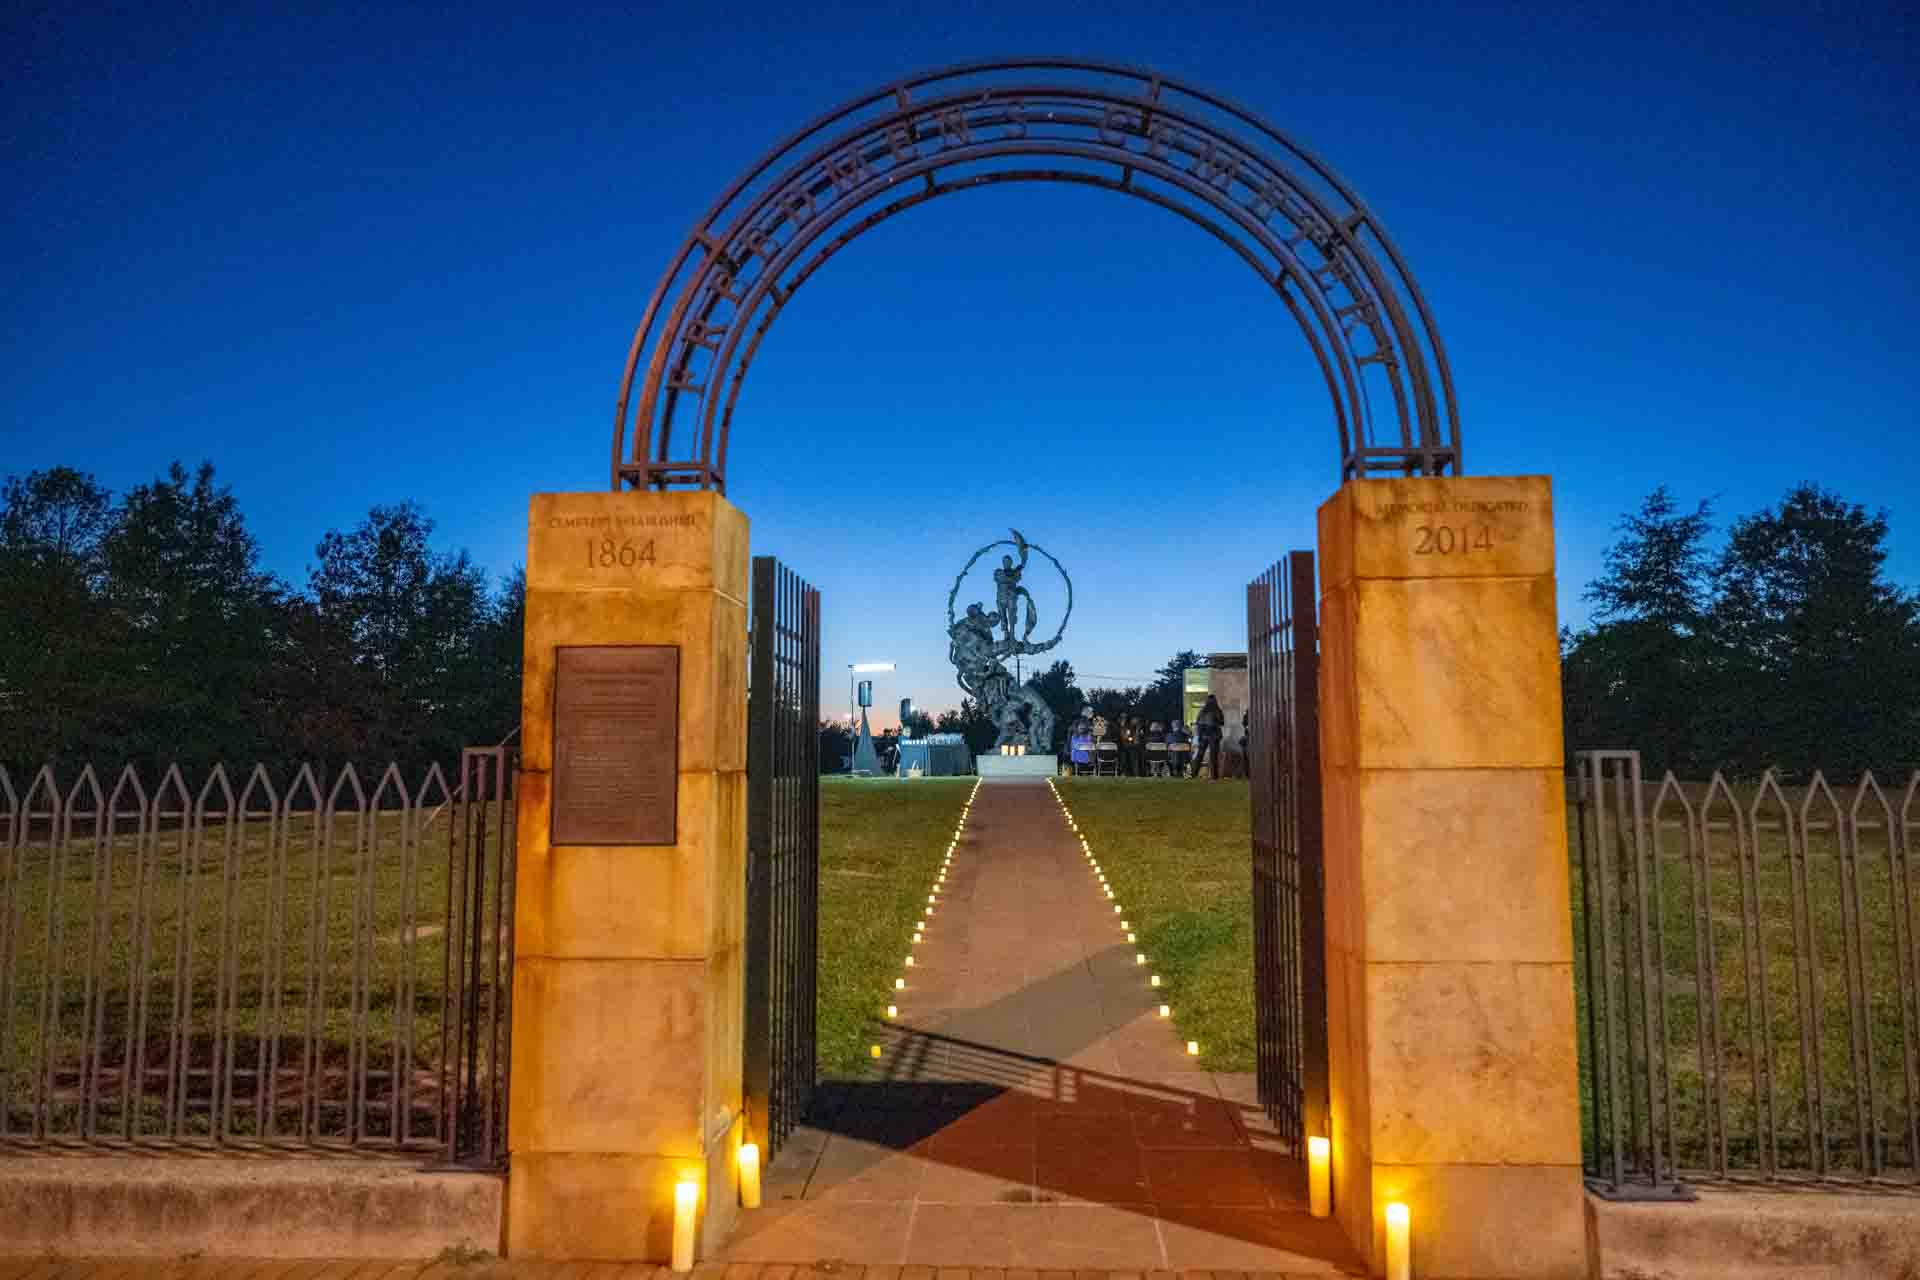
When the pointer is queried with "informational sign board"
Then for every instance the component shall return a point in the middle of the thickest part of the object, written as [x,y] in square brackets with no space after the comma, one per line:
[616,716]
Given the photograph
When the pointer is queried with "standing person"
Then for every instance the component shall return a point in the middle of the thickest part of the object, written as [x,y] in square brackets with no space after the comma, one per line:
[1129,738]
[1208,726]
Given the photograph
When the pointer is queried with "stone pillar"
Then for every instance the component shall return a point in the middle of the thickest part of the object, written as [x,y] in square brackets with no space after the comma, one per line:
[627,983]
[1450,1013]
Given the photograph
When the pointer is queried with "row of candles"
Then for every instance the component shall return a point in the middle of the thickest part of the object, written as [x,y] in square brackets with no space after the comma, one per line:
[1319,1150]
[686,1193]
[933,900]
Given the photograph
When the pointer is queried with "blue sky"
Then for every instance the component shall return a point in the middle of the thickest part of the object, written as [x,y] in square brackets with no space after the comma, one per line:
[356,255]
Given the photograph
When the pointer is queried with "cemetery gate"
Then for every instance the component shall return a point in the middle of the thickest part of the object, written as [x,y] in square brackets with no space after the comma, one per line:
[783,851]
[1289,922]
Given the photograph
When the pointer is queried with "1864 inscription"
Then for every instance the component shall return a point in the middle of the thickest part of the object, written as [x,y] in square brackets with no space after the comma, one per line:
[615,744]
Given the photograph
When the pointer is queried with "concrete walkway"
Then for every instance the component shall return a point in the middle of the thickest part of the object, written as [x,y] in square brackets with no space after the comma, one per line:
[1030,1108]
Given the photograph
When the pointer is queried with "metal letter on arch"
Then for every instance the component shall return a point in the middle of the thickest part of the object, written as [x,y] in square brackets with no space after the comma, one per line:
[1283,210]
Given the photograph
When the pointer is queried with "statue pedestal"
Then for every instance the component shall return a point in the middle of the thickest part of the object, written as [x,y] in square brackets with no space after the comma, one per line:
[996,766]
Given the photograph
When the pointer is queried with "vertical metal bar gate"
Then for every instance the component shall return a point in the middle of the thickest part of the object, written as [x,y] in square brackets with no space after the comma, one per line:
[478,985]
[1289,918]
[783,851]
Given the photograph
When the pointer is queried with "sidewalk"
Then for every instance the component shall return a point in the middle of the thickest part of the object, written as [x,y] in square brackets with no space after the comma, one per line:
[1031,1109]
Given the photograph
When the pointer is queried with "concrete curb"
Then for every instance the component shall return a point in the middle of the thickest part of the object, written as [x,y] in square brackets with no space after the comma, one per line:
[264,1207]
[1759,1235]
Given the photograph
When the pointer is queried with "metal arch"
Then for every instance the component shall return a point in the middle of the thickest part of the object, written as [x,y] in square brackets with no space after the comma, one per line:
[1283,209]
[841,241]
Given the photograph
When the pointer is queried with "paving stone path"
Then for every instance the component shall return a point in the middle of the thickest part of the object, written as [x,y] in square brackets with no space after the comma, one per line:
[1030,1107]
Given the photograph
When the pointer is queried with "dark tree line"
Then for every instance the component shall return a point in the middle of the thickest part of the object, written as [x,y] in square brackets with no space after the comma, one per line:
[1786,647]
[143,630]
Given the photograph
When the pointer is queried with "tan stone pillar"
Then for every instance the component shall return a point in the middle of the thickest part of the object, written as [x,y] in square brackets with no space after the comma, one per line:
[1450,1011]
[627,954]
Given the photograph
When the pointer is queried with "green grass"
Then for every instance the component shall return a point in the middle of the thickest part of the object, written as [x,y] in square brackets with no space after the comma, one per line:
[1176,854]
[880,844]
[197,903]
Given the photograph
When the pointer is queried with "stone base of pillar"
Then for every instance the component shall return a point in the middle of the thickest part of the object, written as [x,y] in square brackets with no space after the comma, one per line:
[628,973]
[1451,1039]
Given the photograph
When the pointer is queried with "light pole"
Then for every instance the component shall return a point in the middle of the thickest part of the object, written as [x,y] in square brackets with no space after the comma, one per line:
[854,728]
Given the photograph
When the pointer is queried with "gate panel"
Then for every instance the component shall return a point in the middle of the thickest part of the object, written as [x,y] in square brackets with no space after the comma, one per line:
[783,851]
[1289,922]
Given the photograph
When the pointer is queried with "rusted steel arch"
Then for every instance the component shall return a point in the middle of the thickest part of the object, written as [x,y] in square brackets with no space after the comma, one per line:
[847,236]
[1284,211]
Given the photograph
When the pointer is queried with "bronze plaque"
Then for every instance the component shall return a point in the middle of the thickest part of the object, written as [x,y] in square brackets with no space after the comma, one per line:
[616,758]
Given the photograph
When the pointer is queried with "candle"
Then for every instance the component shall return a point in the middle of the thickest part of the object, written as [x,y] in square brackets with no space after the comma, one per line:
[1154,981]
[1399,1242]
[1139,957]
[1131,938]
[899,984]
[893,1011]
[1166,1011]
[686,1200]
[1319,1177]
[873,1050]
[750,1175]
[1193,1048]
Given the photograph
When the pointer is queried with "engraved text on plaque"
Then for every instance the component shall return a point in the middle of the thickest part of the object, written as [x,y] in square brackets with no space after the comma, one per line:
[616,712]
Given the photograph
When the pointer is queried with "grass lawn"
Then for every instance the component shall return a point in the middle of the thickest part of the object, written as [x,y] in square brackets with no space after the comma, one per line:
[880,844]
[1176,853]
[300,910]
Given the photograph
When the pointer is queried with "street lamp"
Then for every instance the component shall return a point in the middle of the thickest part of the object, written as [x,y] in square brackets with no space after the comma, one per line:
[853,715]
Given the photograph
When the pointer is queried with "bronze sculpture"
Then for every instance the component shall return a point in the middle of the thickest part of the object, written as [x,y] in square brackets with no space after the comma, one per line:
[1020,715]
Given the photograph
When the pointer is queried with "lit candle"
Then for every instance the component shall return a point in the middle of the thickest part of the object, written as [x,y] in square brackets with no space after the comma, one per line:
[1154,981]
[1139,957]
[1116,911]
[899,984]
[873,1050]
[1166,1011]
[1132,938]
[1125,925]
[909,962]
[1319,1177]
[1399,1242]
[1193,1048]
[893,1011]
[686,1201]
[750,1175]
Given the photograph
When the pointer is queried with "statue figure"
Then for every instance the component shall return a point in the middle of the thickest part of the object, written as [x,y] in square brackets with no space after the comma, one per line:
[1020,715]
[1007,589]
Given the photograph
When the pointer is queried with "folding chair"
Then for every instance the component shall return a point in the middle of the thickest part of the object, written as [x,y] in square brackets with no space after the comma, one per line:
[1109,758]
[1156,759]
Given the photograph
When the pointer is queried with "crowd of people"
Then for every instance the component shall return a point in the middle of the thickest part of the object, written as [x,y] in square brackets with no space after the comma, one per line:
[1185,752]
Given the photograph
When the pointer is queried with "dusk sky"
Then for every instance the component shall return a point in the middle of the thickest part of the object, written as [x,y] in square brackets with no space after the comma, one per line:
[359,255]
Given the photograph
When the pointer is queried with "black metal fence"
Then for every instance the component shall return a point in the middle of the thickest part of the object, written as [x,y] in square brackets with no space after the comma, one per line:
[245,959]
[783,851]
[1747,964]
[1289,922]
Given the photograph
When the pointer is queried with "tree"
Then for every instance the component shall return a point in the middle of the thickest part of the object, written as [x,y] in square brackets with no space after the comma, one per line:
[194,619]
[1639,676]
[1165,698]
[410,624]
[55,646]
[1818,656]
[918,724]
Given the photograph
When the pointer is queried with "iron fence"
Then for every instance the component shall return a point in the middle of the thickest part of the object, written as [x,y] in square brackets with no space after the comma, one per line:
[245,959]
[1747,965]
[783,851]
[1289,919]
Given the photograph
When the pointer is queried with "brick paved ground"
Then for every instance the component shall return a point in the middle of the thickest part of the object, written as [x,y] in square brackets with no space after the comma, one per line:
[242,1269]
[1031,1108]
